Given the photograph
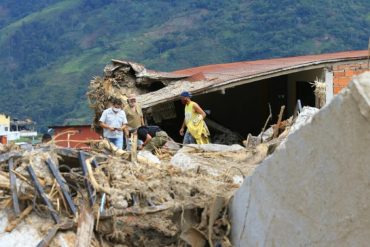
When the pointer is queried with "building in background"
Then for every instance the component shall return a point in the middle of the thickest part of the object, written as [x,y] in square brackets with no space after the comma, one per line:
[14,129]
[74,136]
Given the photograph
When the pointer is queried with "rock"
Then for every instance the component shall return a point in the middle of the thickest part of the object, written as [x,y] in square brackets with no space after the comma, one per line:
[149,156]
[314,189]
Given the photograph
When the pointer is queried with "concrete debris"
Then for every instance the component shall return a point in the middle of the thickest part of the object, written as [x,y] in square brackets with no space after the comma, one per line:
[107,196]
[149,156]
[187,191]
[314,190]
[175,197]
[147,203]
[303,118]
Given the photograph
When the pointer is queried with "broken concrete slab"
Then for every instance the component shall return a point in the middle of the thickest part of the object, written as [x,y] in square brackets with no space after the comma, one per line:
[314,190]
[202,158]
[30,232]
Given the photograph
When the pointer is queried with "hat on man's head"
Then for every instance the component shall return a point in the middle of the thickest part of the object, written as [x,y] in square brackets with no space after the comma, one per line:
[186,94]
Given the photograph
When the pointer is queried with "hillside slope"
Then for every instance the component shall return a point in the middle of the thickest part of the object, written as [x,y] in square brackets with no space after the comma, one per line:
[49,49]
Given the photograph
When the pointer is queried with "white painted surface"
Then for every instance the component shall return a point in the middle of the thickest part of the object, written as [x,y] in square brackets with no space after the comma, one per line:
[329,85]
[314,190]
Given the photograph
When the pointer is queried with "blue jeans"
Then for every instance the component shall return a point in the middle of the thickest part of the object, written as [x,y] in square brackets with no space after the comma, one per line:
[128,143]
[118,142]
[188,138]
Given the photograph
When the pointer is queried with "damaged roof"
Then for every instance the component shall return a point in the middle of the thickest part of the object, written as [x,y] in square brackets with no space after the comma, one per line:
[204,79]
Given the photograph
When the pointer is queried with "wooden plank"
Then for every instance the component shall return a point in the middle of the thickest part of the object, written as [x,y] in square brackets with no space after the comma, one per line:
[212,124]
[277,127]
[53,231]
[75,153]
[6,156]
[134,147]
[85,228]
[63,186]
[14,223]
[42,194]
[89,188]
[13,188]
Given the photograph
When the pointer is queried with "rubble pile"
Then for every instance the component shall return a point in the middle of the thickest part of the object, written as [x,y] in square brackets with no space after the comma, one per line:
[131,203]
[173,198]
[122,78]
[106,196]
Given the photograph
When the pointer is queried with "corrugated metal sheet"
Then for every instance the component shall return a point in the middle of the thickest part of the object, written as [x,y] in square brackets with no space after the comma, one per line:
[212,77]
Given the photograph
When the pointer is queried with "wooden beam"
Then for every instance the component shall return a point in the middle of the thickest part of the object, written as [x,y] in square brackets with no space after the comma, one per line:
[63,186]
[85,228]
[13,188]
[42,194]
[14,223]
[277,127]
[53,231]
[134,147]
[212,124]
[89,188]
[6,156]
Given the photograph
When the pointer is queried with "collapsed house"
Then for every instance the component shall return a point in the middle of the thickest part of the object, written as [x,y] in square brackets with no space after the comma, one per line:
[236,96]
[53,196]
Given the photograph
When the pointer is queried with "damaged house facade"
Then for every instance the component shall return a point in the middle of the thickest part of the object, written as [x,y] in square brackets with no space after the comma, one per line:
[236,96]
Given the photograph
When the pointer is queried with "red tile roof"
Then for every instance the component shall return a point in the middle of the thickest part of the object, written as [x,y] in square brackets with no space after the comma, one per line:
[209,78]
[248,68]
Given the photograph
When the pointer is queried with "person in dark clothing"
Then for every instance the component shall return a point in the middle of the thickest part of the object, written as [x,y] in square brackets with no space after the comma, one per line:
[152,137]
[45,138]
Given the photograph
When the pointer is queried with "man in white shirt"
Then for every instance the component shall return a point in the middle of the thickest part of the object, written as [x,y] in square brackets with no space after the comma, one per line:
[113,121]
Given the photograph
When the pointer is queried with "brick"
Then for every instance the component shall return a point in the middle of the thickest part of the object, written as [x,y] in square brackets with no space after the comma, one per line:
[349,73]
[340,67]
[337,89]
[339,73]
[341,81]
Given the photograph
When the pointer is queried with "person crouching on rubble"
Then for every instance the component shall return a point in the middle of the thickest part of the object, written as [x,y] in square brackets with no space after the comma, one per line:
[152,137]
[135,119]
[113,121]
[197,130]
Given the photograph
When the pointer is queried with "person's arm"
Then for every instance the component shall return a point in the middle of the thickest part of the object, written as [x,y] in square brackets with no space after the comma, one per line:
[140,111]
[147,140]
[199,110]
[127,132]
[182,128]
[142,121]
[106,126]
[124,121]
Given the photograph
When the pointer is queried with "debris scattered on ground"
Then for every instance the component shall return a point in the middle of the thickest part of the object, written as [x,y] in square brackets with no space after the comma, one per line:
[108,197]
[156,201]
[133,204]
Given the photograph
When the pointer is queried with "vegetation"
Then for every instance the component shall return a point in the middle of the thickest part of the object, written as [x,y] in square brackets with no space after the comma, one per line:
[50,49]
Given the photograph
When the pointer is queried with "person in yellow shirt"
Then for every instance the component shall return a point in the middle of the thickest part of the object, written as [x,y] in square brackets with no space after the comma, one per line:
[134,116]
[197,130]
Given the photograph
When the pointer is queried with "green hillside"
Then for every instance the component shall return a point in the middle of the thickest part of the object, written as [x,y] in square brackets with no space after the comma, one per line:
[49,49]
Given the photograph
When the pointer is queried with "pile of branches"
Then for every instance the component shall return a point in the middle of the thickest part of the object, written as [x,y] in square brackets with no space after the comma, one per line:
[122,78]
[107,200]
